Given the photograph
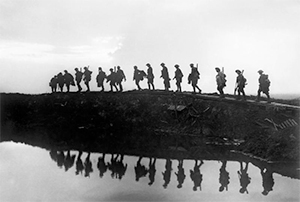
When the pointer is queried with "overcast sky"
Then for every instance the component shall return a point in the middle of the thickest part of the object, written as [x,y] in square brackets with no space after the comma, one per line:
[40,38]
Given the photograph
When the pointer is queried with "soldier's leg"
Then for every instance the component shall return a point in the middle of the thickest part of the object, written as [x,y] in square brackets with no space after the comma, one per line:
[258,94]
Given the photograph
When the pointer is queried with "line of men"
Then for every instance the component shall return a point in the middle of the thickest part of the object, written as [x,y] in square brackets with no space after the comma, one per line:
[117,76]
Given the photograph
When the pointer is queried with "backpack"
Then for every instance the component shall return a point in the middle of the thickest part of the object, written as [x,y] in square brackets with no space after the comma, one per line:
[265,80]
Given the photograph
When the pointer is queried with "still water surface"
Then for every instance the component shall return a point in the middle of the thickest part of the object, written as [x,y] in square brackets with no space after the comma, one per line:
[33,174]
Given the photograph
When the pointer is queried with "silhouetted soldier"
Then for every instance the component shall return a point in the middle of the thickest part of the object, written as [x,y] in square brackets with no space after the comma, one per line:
[69,80]
[165,76]
[119,77]
[69,161]
[60,158]
[61,81]
[180,174]
[167,173]
[78,78]
[196,175]
[53,155]
[240,84]
[100,78]
[264,84]
[79,164]
[121,167]
[101,165]
[267,180]
[111,78]
[87,78]
[53,84]
[221,81]
[137,76]
[224,177]
[112,166]
[88,168]
[140,170]
[152,171]
[244,178]
[193,78]
[150,77]
[178,76]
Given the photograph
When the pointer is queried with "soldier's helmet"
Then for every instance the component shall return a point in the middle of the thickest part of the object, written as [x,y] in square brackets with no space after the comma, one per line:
[238,71]
[162,64]
[217,69]
[260,71]
[192,65]
[176,65]
[148,65]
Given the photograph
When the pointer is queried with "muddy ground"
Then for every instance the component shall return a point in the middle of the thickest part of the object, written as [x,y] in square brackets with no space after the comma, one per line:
[151,122]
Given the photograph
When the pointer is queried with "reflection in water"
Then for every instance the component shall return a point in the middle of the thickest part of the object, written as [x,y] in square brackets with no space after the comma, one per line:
[69,161]
[180,174]
[167,173]
[118,169]
[140,170]
[79,164]
[224,177]
[88,168]
[101,165]
[244,177]
[267,180]
[152,171]
[196,175]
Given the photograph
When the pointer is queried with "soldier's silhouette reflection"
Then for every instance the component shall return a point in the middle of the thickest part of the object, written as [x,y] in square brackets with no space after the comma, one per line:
[69,161]
[112,166]
[101,165]
[180,174]
[60,158]
[121,167]
[196,175]
[53,155]
[152,171]
[88,168]
[79,164]
[267,180]
[167,173]
[224,177]
[140,170]
[244,177]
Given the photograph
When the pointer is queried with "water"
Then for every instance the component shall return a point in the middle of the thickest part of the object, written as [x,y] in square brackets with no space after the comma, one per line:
[31,174]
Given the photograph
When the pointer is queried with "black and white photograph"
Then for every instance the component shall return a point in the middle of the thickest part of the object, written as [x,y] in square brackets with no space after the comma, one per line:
[149,100]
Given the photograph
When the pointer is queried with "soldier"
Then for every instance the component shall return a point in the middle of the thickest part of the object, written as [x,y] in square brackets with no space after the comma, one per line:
[240,84]
[53,84]
[165,76]
[87,78]
[112,79]
[224,177]
[137,76]
[78,77]
[180,174]
[244,178]
[100,78]
[150,76]
[178,76]
[69,80]
[119,77]
[221,81]
[60,81]
[193,78]
[196,175]
[264,84]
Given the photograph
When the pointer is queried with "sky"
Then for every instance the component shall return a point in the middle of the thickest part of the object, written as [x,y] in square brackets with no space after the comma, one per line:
[40,38]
